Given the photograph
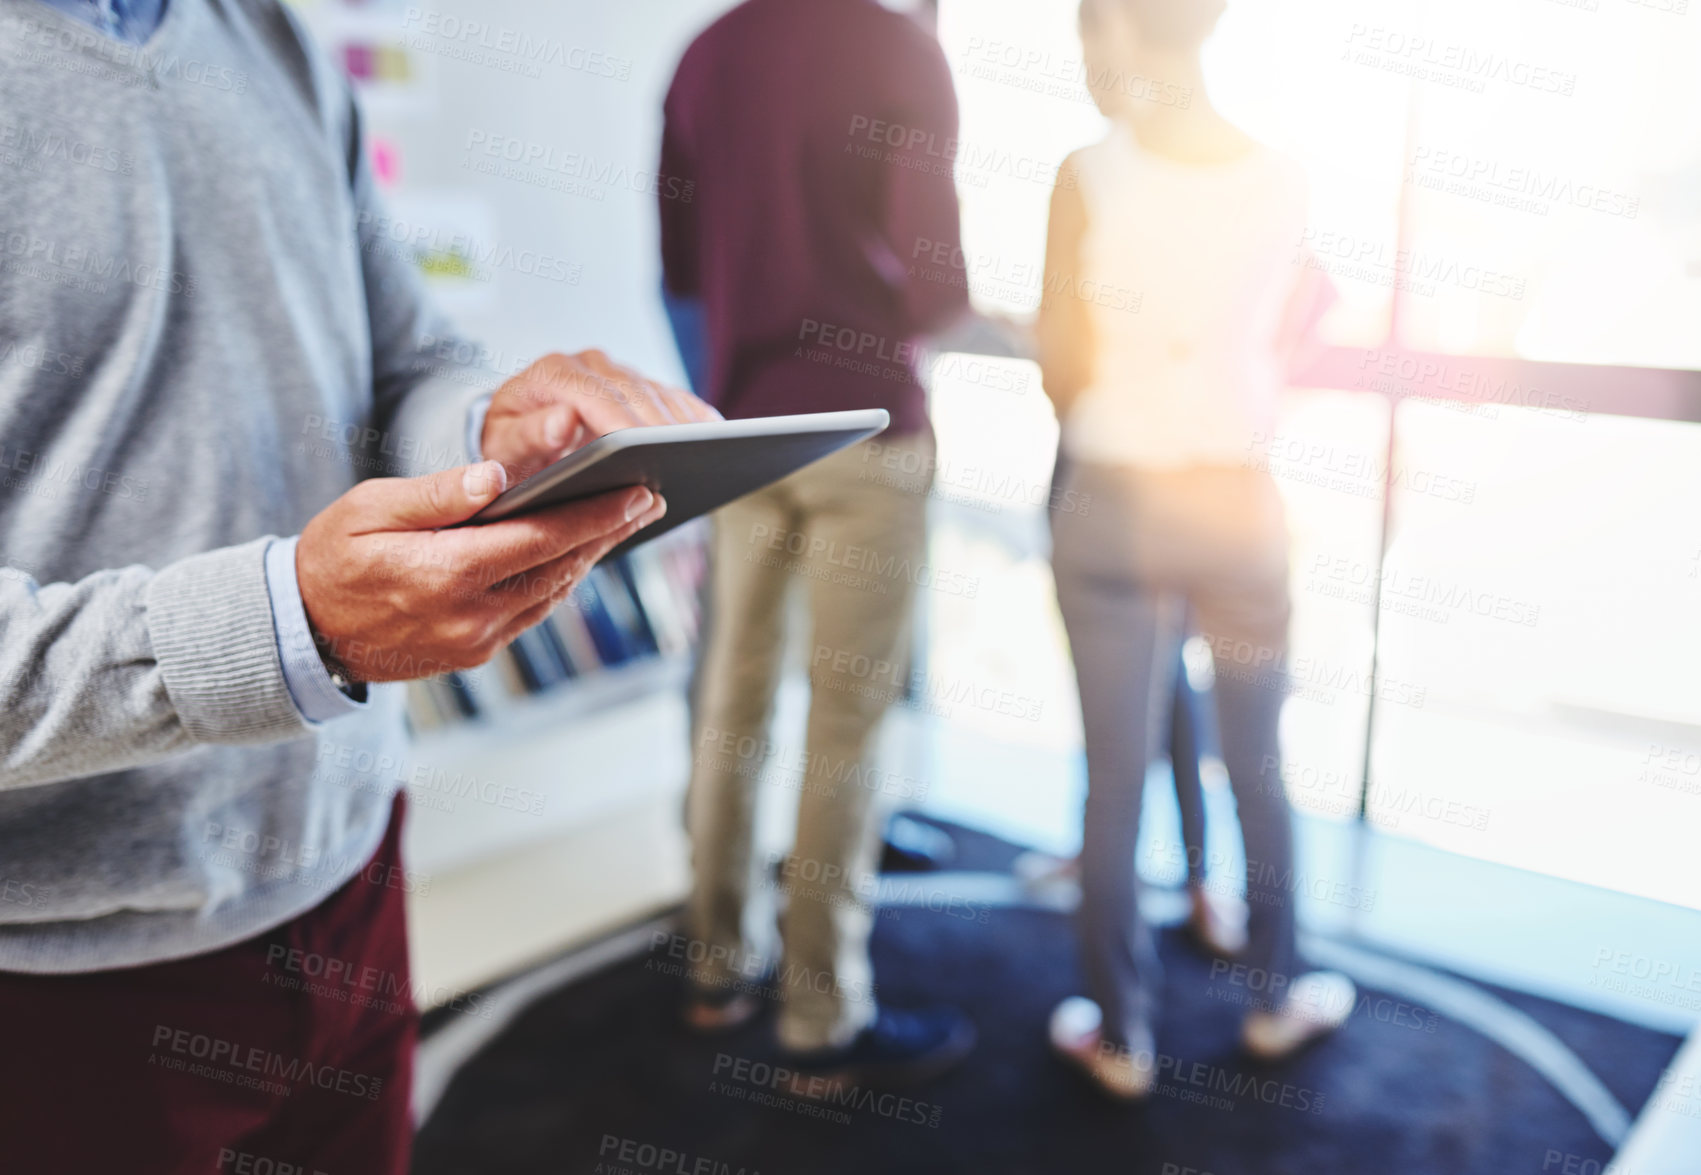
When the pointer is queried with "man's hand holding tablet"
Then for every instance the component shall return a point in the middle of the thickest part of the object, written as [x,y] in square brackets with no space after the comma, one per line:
[700,466]
[391,594]
[562,402]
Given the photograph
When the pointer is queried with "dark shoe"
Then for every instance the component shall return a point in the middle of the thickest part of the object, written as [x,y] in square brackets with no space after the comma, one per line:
[914,847]
[719,1009]
[899,1048]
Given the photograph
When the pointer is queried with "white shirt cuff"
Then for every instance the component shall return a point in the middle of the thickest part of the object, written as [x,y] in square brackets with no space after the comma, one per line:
[475,427]
[310,684]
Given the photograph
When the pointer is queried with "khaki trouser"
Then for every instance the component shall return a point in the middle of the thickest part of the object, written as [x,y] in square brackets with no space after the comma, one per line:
[851,532]
[1148,547]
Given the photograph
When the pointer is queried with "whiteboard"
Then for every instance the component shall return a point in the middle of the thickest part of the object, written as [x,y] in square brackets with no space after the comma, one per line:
[518,140]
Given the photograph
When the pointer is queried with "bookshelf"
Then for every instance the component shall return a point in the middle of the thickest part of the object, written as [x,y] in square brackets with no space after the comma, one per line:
[539,715]
[545,808]
[566,760]
[640,608]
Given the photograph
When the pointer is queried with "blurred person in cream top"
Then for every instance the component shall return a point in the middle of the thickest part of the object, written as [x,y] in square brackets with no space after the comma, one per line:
[1204,263]
[1176,290]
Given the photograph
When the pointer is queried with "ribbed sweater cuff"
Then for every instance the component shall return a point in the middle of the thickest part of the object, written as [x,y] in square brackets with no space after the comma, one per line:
[210,619]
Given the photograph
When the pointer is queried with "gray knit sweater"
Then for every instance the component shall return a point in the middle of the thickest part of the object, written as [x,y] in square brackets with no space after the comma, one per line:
[207,333]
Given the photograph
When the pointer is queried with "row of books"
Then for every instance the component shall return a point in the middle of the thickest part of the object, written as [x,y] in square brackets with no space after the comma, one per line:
[642,605]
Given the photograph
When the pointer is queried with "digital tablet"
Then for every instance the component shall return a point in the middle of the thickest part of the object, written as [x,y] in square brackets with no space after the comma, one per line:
[696,467]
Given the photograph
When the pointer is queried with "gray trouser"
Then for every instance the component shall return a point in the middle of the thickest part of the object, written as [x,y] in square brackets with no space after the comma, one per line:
[851,531]
[1144,548]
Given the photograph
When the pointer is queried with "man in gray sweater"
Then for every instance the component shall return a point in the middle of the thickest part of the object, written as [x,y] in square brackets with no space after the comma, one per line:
[210,342]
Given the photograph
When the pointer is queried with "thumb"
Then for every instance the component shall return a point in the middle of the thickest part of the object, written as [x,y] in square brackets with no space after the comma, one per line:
[437,500]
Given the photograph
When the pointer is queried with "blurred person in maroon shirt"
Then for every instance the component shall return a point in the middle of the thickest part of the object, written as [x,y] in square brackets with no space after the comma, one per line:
[807,198]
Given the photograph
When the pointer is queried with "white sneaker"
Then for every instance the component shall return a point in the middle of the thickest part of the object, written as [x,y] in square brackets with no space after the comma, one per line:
[1216,921]
[1317,1003]
[1126,1073]
[1047,878]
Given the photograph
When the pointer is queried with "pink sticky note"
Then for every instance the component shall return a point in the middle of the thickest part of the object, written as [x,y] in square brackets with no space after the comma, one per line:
[357,61]
[386,162]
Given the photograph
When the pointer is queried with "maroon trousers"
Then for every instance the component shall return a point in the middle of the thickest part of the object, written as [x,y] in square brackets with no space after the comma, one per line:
[288,1054]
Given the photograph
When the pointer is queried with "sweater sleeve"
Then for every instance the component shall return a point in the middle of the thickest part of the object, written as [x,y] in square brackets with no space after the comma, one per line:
[922,218]
[428,381]
[130,666]
[680,240]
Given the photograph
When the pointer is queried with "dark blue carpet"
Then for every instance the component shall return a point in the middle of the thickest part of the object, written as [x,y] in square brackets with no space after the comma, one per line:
[598,1078]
